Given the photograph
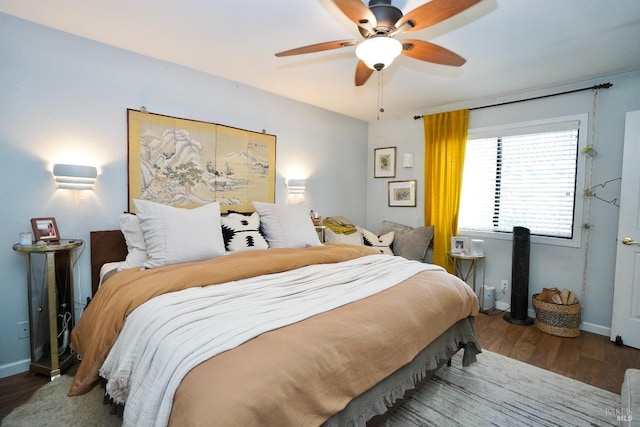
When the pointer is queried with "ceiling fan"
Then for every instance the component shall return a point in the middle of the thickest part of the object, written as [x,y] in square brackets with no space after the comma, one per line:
[380,23]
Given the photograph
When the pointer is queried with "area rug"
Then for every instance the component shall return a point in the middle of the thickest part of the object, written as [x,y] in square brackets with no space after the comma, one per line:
[495,391]
[498,391]
[50,406]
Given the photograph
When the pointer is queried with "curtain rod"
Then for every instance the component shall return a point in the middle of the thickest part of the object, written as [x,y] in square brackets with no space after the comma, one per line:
[600,86]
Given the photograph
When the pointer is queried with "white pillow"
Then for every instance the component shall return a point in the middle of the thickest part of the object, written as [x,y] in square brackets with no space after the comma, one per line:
[287,226]
[175,235]
[354,238]
[136,248]
[382,243]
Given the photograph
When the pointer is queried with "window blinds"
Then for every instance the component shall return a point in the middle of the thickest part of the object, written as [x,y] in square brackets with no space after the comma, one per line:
[526,180]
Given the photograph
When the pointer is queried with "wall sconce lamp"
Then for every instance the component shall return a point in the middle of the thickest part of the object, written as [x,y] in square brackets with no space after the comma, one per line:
[407,160]
[296,186]
[75,177]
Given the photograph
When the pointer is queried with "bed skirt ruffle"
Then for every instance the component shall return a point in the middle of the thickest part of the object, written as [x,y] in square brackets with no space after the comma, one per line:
[378,399]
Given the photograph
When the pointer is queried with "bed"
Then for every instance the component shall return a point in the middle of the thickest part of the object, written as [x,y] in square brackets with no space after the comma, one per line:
[331,360]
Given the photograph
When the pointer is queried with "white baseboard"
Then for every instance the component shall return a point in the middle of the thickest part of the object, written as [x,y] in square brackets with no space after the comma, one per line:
[14,368]
[596,329]
[20,366]
[584,326]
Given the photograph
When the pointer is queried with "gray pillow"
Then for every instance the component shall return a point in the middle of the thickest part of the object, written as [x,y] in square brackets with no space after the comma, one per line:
[411,243]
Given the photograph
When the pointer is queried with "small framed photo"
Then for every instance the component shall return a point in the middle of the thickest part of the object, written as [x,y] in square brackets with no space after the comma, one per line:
[402,193]
[459,245]
[384,162]
[45,229]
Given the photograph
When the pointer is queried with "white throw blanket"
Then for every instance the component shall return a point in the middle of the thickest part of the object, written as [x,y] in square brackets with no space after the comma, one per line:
[163,339]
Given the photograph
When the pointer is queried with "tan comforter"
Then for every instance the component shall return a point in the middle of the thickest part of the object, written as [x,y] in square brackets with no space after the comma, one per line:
[103,319]
[303,374]
[293,376]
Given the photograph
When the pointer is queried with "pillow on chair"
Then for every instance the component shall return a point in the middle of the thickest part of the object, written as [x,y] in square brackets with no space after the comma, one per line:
[411,243]
[331,236]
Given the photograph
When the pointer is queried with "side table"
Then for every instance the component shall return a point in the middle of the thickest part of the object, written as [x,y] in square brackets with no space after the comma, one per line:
[459,259]
[59,300]
[320,231]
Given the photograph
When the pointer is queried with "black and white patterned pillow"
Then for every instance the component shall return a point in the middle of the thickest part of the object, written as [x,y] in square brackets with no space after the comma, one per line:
[382,243]
[242,232]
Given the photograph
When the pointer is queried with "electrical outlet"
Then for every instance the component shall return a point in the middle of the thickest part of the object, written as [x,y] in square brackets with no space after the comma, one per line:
[23,330]
[505,285]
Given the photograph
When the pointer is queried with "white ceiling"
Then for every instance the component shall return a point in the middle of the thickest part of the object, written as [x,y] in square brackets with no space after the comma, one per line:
[511,46]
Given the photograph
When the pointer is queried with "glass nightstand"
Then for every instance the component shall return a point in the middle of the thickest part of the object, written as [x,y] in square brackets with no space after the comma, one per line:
[51,305]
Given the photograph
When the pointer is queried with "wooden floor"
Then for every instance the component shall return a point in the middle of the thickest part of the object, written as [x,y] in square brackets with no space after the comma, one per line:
[589,358]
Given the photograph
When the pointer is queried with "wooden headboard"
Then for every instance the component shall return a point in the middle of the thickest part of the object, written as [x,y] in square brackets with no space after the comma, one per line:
[106,246]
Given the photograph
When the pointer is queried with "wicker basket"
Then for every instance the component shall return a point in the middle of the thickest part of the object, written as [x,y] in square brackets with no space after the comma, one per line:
[557,319]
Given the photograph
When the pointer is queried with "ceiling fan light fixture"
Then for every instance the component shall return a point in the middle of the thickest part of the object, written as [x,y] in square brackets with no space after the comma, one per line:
[378,52]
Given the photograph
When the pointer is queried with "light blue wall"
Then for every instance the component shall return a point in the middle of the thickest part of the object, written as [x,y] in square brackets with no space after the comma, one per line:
[64,98]
[551,266]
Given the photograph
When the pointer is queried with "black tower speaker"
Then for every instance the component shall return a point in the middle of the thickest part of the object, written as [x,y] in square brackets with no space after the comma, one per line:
[520,278]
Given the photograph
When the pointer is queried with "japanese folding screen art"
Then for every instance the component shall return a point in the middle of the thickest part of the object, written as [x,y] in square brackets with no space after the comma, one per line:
[188,163]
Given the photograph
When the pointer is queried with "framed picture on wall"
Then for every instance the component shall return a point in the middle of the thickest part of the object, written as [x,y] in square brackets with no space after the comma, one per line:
[402,193]
[45,229]
[384,162]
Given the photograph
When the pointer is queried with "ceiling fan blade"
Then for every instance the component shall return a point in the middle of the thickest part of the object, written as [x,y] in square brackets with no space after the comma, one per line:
[425,51]
[362,73]
[431,13]
[358,13]
[317,47]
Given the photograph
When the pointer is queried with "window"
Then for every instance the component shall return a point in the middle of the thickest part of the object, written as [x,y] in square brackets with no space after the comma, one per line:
[525,176]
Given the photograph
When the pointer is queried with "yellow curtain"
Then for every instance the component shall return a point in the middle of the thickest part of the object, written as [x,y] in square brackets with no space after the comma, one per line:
[445,137]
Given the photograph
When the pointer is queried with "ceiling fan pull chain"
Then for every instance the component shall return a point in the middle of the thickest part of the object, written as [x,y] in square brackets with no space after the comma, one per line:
[380,93]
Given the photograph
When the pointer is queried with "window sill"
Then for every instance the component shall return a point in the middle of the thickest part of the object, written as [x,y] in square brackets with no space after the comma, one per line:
[541,240]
